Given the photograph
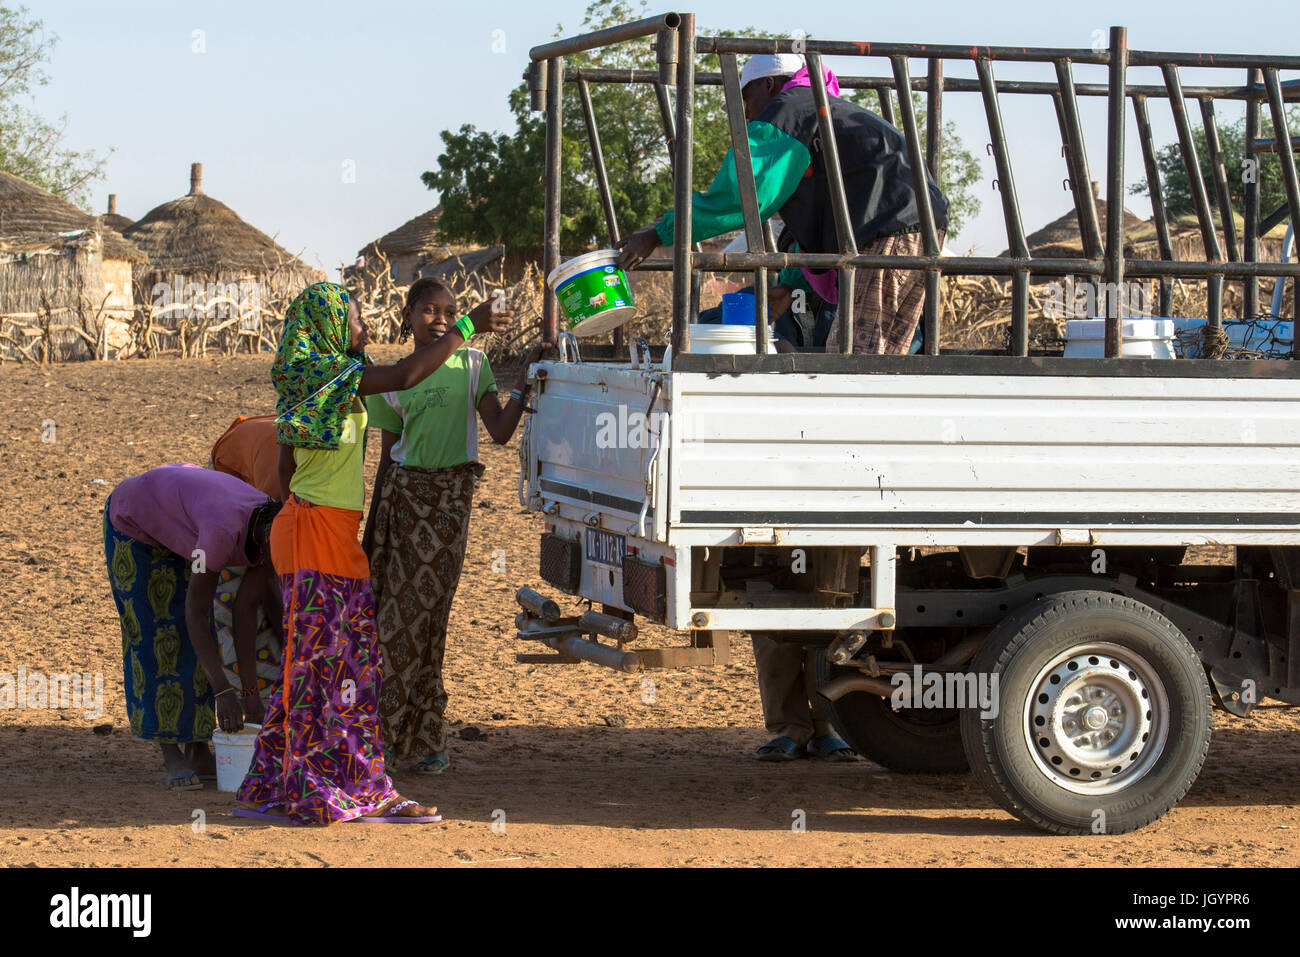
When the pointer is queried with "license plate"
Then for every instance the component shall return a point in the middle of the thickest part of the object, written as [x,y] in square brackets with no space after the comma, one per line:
[604,548]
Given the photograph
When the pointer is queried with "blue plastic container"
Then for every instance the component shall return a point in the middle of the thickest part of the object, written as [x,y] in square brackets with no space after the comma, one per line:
[738,309]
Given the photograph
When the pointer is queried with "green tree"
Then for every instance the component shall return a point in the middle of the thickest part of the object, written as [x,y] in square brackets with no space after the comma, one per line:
[491,185]
[1176,186]
[30,146]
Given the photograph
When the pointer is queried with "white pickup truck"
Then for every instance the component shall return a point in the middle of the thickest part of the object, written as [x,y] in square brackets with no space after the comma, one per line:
[1029,607]
[1025,523]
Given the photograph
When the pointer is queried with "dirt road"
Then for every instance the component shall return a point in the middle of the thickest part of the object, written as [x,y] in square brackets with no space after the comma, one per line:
[571,763]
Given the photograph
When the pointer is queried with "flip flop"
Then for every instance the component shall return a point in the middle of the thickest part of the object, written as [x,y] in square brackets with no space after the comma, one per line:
[433,764]
[185,782]
[387,818]
[779,749]
[260,813]
[831,748]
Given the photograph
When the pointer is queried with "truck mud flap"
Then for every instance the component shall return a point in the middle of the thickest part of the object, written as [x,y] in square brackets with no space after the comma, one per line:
[645,587]
[561,561]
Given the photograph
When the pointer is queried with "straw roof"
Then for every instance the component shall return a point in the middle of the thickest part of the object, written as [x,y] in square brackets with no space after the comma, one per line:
[197,233]
[418,236]
[112,219]
[1062,238]
[33,218]
[466,263]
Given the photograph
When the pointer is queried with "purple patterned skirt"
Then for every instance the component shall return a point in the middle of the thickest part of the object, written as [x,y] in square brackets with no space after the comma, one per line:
[319,754]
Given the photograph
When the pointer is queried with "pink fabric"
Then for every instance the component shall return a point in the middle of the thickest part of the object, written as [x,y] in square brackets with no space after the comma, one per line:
[184,507]
[826,284]
[803,79]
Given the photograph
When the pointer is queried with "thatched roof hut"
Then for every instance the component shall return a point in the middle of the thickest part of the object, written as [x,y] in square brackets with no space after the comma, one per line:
[197,235]
[407,250]
[29,213]
[112,219]
[206,264]
[65,276]
[1188,244]
[1062,238]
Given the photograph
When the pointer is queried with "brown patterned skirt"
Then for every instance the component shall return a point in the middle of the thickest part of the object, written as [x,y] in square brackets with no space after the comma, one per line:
[887,303]
[421,528]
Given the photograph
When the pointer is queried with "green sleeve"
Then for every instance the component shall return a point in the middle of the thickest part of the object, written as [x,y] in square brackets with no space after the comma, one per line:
[487,382]
[381,415]
[792,277]
[779,161]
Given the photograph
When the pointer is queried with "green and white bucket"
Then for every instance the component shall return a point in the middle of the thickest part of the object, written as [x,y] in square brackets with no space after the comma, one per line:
[593,293]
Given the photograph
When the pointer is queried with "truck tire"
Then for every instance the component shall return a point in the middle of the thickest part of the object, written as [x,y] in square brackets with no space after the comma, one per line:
[907,741]
[1103,714]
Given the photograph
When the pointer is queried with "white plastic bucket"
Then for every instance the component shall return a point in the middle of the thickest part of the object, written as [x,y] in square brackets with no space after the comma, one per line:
[1143,338]
[234,753]
[717,339]
[592,292]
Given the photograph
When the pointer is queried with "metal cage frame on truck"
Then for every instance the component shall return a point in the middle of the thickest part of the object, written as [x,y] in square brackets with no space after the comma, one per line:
[676,47]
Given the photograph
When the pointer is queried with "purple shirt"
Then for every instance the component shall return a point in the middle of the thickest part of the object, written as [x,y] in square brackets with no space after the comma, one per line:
[186,507]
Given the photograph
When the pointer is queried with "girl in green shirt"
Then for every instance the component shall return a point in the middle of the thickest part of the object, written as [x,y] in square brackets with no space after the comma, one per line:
[419,519]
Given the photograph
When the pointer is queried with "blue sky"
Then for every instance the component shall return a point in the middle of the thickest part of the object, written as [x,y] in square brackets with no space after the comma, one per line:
[285,94]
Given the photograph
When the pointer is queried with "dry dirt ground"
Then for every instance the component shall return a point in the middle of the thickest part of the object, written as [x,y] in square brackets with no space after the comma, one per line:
[578,768]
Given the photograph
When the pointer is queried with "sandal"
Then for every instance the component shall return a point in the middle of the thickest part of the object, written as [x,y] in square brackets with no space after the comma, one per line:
[779,749]
[262,813]
[387,813]
[189,781]
[831,748]
[433,764]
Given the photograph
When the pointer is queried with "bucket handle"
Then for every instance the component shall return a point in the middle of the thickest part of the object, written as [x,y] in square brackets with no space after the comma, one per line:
[569,339]
[640,352]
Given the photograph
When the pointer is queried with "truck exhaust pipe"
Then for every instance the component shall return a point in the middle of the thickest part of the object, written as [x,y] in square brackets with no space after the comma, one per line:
[954,657]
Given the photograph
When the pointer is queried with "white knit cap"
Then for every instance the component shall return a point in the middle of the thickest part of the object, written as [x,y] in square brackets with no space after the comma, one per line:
[770,64]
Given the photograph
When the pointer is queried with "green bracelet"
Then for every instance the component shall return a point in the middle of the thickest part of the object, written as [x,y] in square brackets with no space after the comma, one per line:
[465,326]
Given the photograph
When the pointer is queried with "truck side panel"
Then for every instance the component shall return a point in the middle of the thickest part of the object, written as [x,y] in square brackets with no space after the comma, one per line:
[934,451]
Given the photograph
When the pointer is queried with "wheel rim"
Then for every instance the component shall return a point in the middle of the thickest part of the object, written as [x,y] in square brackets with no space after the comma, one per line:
[1097,718]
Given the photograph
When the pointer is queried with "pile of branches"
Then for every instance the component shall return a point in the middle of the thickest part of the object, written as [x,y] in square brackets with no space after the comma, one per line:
[382,301]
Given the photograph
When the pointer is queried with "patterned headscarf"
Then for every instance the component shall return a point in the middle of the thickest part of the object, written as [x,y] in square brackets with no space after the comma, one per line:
[313,374]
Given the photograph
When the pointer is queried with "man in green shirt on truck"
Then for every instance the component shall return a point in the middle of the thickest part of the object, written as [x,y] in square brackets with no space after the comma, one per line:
[790,178]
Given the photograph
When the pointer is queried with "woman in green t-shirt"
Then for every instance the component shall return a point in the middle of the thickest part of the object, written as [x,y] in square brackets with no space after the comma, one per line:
[419,519]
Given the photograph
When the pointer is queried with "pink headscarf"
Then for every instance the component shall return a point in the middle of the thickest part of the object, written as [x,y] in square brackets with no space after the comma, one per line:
[826,284]
[803,79]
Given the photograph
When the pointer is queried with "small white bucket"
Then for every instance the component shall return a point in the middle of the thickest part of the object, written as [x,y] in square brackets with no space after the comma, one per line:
[1143,338]
[234,753]
[717,339]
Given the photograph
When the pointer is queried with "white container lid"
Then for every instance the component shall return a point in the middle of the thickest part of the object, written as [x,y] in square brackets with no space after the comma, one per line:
[719,331]
[1132,329]
[717,334]
[592,260]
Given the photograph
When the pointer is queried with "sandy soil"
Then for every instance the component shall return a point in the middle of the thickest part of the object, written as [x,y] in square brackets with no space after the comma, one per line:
[569,758]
